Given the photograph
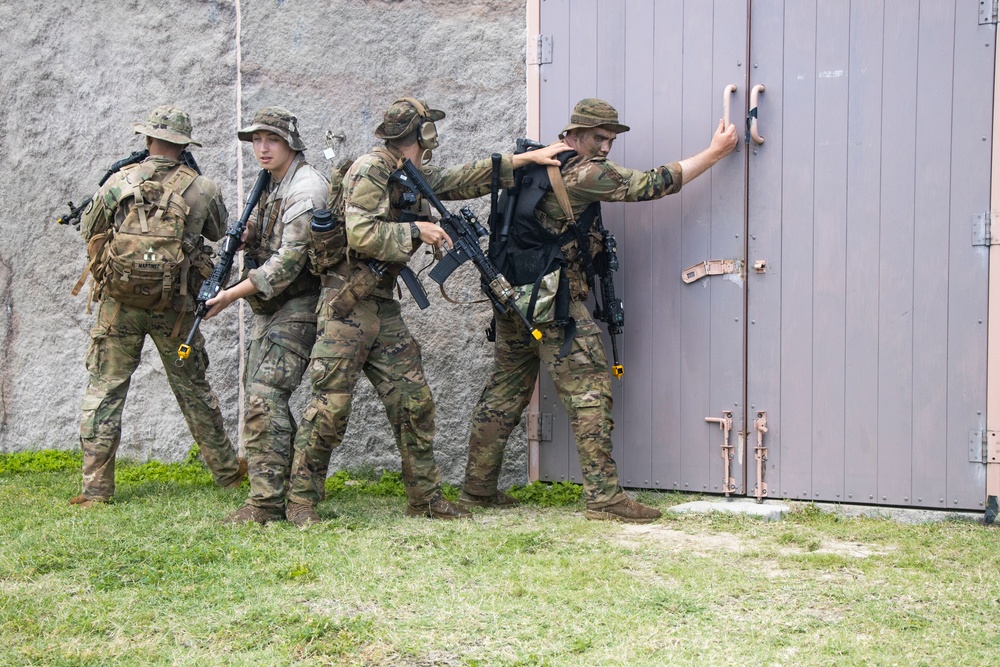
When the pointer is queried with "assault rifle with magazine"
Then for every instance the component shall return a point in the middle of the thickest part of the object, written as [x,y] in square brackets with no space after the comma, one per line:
[73,218]
[465,232]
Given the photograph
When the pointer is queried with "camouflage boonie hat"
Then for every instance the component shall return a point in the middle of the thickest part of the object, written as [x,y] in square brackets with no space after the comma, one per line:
[169,124]
[399,119]
[278,120]
[592,112]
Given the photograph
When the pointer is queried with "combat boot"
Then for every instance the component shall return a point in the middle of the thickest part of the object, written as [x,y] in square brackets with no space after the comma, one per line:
[499,500]
[438,508]
[625,510]
[241,475]
[254,514]
[81,501]
[302,515]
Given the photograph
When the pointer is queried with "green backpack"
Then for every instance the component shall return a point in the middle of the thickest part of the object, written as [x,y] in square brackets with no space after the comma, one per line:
[143,263]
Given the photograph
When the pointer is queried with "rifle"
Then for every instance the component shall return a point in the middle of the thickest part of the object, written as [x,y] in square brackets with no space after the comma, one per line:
[220,274]
[137,156]
[609,309]
[465,232]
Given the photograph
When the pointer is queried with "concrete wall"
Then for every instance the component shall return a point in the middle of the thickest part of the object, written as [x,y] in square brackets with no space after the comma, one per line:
[77,76]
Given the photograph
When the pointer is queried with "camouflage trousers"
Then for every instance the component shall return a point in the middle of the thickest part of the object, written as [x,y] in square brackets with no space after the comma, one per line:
[584,386]
[115,349]
[276,362]
[372,339]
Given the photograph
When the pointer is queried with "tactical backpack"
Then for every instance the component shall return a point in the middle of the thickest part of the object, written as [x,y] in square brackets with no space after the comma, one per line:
[532,257]
[143,263]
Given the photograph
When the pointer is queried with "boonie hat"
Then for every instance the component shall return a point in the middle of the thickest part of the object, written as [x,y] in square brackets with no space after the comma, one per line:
[592,112]
[168,123]
[402,117]
[278,120]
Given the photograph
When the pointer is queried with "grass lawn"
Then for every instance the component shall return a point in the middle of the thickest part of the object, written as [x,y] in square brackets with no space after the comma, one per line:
[155,579]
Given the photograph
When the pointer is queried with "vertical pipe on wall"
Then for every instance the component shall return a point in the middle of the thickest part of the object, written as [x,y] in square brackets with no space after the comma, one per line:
[533,130]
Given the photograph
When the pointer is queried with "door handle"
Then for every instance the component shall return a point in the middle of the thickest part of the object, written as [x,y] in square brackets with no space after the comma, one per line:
[726,96]
[752,132]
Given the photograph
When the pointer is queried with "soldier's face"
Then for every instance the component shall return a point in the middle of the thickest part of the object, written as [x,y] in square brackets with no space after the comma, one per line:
[272,152]
[591,142]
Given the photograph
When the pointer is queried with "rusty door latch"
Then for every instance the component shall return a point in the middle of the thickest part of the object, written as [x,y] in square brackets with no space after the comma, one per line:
[726,425]
[760,453]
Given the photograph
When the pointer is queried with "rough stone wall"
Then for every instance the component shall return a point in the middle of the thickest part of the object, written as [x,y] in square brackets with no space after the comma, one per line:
[79,76]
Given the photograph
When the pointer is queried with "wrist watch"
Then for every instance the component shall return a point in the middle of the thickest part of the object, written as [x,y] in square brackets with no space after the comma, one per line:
[414,231]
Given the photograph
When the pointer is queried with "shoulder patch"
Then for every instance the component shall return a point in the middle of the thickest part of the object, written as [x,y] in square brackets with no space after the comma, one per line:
[609,170]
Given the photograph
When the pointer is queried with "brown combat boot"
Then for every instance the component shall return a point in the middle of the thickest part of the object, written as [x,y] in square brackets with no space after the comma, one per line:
[438,508]
[499,500]
[253,514]
[81,501]
[302,515]
[626,510]
[241,475]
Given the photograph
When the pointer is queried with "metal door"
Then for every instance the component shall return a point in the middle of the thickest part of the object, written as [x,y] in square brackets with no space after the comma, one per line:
[864,211]
[867,336]
[664,65]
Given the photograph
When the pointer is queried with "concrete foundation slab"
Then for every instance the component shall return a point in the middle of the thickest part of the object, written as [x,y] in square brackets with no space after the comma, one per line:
[769,510]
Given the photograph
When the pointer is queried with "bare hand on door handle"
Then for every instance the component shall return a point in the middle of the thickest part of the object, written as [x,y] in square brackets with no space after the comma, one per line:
[723,142]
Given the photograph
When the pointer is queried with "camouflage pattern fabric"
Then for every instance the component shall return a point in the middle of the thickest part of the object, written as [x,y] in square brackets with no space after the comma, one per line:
[599,179]
[280,342]
[119,334]
[582,377]
[373,338]
[115,348]
[584,386]
[373,221]
[275,364]
[280,255]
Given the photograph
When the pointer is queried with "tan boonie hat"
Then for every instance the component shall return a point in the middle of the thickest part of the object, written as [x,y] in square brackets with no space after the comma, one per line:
[592,112]
[401,118]
[278,120]
[169,124]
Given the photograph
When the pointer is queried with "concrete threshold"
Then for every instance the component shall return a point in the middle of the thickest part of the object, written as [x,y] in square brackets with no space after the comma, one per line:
[775,510]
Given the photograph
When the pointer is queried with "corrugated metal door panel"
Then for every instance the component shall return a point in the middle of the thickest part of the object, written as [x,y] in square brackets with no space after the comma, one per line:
[935,73]
[895,280]
[722,189]
[636,149]
[692,48]
[764,290]
[968,266]
[864,153]
[881,352]
[833,23]
[666,389]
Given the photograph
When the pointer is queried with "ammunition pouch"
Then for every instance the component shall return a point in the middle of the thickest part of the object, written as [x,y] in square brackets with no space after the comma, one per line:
[345,292]
[326,249]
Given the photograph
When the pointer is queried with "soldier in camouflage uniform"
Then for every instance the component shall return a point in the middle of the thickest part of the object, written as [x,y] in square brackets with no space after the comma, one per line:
[361,329]
[581,376]
[282,295]
[120,331]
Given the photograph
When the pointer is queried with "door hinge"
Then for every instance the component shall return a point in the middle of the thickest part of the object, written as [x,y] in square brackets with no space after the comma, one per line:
[987,11]
[984,447]
[540,426]
[539,50]
[712,267]
[982,230]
